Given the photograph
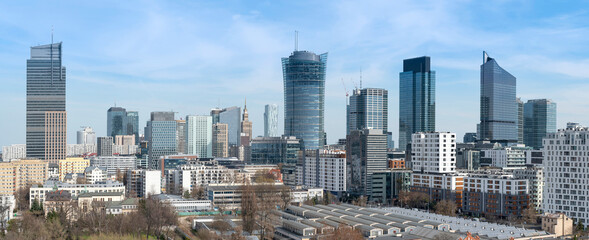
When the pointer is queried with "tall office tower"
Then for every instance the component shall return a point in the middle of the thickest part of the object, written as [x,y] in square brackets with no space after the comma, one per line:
[539,120]
[220,140]
[520,120]
[246,128]
[132,125]
[417,99]
[215,113]
[55,136]
[86,136]
[104,146]
[160,132]
[181,136]
[304,97]
[45,93]
[566,153]
[271,120]
[232,117]
[115,121]
[199,136]
[366,153]
[368,108]
[498,103]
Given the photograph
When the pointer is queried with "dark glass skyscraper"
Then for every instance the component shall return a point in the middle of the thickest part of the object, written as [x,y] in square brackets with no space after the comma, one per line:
[499,108]
[45,95]
[417,99]
[115,121]
[132,125]
[368,108]
[304,97]
[539,119]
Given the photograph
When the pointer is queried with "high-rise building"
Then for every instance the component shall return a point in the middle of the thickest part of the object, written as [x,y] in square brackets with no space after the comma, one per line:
[498,103]
[199,136]
[46,85]
[368,108]
[132,125]
[433,152]
[86,136]
[304,97]
[566,153]
[325,169]
[104,146]
[220,140]
[181,136]
[246,128]
[115,121]
[284,150]
[417,99]
[271,120]
[469,137]
[366,153]
[124,140]
[232,117]
[55,136]
[520,120]
[160,132]
[539,120]
[215,113]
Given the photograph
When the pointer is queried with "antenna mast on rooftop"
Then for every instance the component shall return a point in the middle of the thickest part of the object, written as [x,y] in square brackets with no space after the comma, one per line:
[296,40]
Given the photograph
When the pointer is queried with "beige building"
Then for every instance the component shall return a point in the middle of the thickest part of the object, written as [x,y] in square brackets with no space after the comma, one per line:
[124,140]
[558,224]
[19,173]
[72,165]
[246,128]
[55,136]
[220,140]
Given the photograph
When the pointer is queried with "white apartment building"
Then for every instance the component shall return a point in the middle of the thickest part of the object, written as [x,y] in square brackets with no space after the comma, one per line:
[95,174]
[496,182]
[325,169]
[39,191]
[189,175]
[512,157]
[433,152]
[80,149]
[114,163]
[535,177]
[125,149]
[144,183]
[566,173]
[301,194]
[15,151]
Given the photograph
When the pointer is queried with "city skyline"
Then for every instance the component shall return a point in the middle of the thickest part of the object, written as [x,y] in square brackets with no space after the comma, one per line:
[527,48]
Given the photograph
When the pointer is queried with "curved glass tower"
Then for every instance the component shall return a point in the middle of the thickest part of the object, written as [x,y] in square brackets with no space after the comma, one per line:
[304,97]
[499,108]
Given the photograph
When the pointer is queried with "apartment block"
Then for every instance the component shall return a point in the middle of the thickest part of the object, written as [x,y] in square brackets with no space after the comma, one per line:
[19,173]
[72,165]
[325,169]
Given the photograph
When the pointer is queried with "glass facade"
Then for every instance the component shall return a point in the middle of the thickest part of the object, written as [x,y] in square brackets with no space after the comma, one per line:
[278,150]
[368,108]
[232,117]
[161,136]
[116,118]
[417,99]
[271,120]
[132,125]
[499,111]
[199,136]
[539,119]
[46,83]
[304,97]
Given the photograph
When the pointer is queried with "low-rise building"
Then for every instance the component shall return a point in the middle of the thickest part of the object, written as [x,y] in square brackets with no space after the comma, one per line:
[558,224]
[114,163]
[300,194]
[185,204]
[511,157]
[387,184]
[122,207]
[39,191]
[95,174]
[73,178]
[59,201]
[396,163]
[495,193]
[89,200]
[228,196]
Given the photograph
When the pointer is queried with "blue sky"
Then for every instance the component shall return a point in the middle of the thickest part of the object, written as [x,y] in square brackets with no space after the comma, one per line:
[190,56]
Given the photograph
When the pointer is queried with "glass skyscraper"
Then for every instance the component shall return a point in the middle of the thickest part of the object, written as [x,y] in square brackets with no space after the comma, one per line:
[304,97]
[499,113]
[160,132]
[46,83]
[417,99]
[539,120]
[199,136]
[115,121]
[132,125]
[368,108]
[271,120]
[232,117]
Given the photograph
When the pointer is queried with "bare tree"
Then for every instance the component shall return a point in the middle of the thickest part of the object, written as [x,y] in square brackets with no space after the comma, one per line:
[347,233]
[22,197]
[446,207]
[248,207]
[361,201]
[529,214]
[198,192]
[285,196]
[444,236]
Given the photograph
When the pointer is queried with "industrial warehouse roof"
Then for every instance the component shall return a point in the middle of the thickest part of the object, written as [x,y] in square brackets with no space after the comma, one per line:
[412,224]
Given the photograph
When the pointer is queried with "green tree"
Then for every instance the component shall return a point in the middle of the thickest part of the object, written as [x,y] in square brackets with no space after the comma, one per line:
[186,194]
